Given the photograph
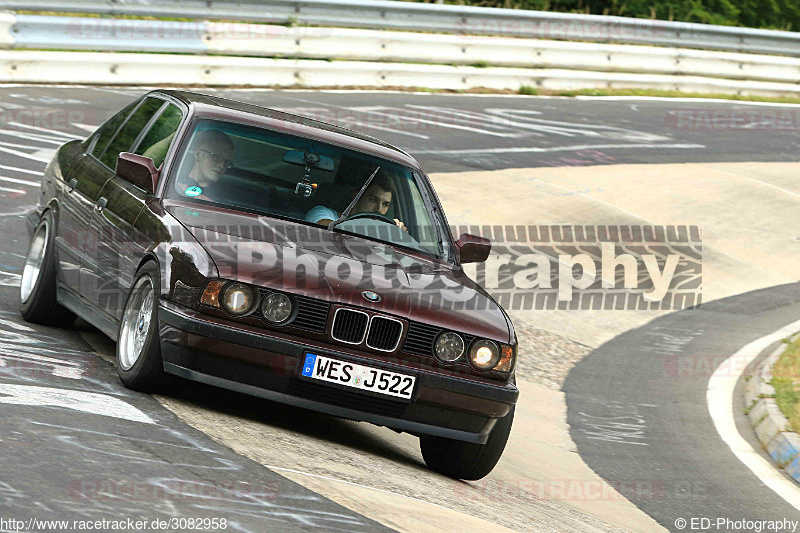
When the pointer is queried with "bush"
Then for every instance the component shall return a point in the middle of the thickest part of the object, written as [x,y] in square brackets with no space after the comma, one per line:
[772,14]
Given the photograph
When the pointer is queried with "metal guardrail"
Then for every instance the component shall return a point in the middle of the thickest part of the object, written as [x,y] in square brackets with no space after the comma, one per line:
[412,16]
[22,66]
[263,40]
[82,33]
[217,54]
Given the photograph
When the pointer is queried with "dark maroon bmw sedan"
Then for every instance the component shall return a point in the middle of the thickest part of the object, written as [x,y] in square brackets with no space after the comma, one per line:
[277,256]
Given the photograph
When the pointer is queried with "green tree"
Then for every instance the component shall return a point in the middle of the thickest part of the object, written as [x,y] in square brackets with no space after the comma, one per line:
[772,14]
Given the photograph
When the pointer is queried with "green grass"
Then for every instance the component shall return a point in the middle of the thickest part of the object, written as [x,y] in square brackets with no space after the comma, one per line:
[528,90]
[677,94]
[786,381]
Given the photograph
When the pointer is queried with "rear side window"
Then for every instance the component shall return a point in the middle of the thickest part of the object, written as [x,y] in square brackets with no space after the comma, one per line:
[123,141]
[107,130]
[157,141]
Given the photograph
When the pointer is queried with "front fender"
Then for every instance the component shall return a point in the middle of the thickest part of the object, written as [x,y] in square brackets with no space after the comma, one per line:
[184,263]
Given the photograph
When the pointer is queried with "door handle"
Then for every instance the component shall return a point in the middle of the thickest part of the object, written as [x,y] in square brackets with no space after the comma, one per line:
[71,184]
[101,204]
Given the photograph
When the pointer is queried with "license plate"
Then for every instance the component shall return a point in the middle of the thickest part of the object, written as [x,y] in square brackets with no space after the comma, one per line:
[358,376]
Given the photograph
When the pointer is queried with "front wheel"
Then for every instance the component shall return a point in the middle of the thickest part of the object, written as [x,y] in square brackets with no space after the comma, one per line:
[139,362]
[37,289]
[465,460]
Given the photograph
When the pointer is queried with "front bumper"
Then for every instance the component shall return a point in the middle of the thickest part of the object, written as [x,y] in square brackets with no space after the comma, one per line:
[240,358]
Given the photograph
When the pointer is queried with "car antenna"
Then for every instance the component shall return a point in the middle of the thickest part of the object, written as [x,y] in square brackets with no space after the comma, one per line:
[346,212]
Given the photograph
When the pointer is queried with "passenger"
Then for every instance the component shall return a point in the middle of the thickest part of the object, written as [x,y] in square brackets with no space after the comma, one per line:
[213,155]
[376,199]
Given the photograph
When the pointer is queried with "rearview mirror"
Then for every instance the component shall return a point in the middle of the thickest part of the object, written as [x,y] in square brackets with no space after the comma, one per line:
[139,170]
[309,159]
[473,249]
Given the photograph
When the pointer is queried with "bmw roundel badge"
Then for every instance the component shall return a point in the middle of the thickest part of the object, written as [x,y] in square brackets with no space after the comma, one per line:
[371,296]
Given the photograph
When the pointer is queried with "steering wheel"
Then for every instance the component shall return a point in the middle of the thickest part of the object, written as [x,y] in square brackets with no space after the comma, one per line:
[376,216]
[403,236]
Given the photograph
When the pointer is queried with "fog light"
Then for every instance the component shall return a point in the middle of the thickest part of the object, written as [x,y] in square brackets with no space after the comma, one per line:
[484,354]
[237,299]
[276,308]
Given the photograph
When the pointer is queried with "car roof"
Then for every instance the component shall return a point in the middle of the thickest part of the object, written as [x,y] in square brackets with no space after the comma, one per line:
[206,105]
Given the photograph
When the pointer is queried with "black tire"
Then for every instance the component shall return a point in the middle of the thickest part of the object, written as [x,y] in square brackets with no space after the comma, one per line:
[465,460]
[146,372]
[37,299]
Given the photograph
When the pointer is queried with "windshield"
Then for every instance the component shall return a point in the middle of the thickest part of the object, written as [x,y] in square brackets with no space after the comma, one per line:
[263,171]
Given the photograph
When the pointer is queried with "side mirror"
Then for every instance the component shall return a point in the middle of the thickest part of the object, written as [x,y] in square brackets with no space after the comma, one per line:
[139,170]
[473,249]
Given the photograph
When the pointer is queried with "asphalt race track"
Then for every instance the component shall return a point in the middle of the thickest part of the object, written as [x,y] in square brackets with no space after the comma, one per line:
[448,133]
[637,411]
[77,445]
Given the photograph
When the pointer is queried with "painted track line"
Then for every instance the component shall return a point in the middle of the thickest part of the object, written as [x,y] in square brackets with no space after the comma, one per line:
[20,182]
[49,132]
[23,154]
[15,145]
[34,137]
[760,182]
[719,396]
[671,99]
[535,149]
[24,170]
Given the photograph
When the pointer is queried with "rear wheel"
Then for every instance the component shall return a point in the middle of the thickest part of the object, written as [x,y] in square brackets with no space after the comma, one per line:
[465,460]
[139,362]
[37,289]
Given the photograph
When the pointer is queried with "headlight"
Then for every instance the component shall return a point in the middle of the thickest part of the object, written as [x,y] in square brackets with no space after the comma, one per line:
[449,346]
[276,308]
[484,354]
[237,299]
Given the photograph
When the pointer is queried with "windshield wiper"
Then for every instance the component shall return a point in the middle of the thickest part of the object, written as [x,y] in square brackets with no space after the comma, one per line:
[350,207]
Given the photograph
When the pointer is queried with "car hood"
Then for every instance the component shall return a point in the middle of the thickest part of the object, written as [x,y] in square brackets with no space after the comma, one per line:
[339,268]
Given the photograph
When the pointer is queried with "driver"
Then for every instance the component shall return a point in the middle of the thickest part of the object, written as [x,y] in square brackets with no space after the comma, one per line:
[376,199]
[213,155]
